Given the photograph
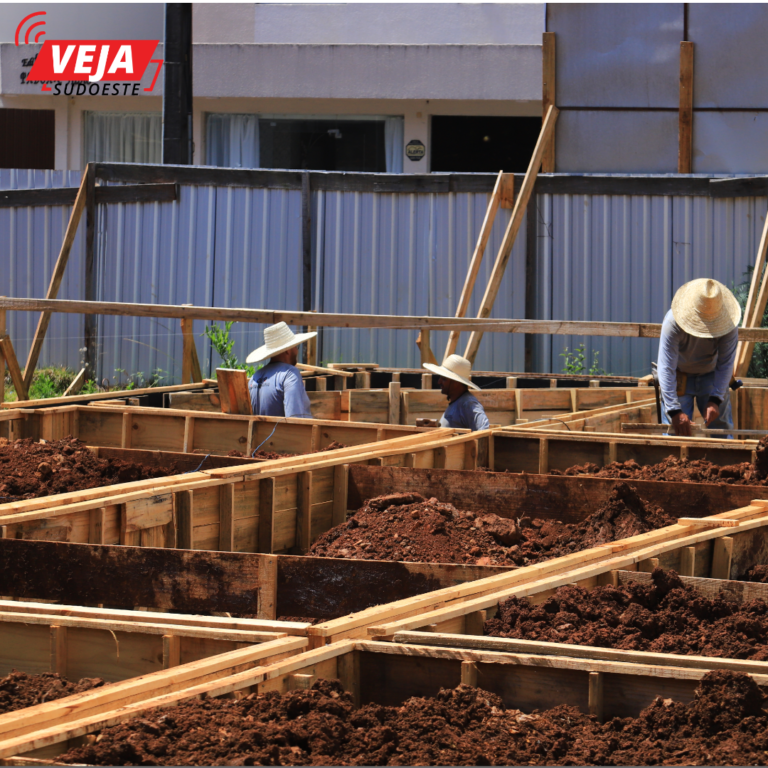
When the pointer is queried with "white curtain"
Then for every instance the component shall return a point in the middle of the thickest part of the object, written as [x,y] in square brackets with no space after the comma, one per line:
[232,141]
[393,143]
[123,137]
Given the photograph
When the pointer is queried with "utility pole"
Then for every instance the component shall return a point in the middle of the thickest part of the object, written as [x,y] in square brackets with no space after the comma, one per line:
[177,89]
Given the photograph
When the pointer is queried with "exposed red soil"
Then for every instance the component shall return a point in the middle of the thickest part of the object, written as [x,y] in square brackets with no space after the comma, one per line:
[29,469]
[682,470]
[758,573]
[664,616]
[724,725]
[407,527]
[19,690]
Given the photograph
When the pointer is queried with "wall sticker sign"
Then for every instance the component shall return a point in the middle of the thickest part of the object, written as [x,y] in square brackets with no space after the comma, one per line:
[415,150]
[94,67]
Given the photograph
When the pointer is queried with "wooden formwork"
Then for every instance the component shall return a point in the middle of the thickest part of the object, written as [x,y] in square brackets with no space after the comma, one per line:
[391,673]
[721,546]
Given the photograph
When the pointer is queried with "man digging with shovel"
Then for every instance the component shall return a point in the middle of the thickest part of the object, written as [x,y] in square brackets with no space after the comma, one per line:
[696,353]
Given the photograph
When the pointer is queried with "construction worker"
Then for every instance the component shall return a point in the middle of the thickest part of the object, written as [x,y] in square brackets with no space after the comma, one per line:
[277,389]
[464,411]
[696,354]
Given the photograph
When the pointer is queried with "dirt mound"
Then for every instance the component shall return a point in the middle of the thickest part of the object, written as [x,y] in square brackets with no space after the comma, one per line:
[664,616]
[724,725]
[269,455]
[758,573]
[19,690]
[410,528]
[29,469]
[682,470]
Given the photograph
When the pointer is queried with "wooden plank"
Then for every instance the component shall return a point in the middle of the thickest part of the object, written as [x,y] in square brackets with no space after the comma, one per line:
[756,298]
[318,369]
[596,697]
[267,598]
[184,508]
[233,391]
[340,491]
[685,118]
[171,651]
[518,214]
[13,368]
[548,71]
[227,517]
[148,513]
[128,193]
[59,650]
[190,367]
[86,574]
[304,511]
[76,385]
[394,402]
[721,557]
[476,260]
[266,515]
[469,673]
[55,282]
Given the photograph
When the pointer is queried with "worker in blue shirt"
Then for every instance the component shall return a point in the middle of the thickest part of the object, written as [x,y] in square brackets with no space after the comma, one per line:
[696,354]
[277,389]
[464,411]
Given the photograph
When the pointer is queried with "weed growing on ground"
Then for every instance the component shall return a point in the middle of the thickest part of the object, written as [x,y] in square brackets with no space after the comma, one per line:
[576,362]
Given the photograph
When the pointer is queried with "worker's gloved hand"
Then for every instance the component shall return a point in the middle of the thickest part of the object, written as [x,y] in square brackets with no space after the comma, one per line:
[682,424]
[713,411]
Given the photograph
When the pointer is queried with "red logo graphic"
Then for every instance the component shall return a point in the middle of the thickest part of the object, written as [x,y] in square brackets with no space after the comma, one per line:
[93,61]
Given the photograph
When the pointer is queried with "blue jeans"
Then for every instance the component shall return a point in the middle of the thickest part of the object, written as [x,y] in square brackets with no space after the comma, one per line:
[698,388]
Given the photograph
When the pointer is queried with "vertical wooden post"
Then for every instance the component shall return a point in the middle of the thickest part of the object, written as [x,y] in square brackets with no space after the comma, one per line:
[685,120]
[688,561]
[190,364]
[97,525]
[473,623]
[469,673]
[543,456]
[548,71]
[189,434]
[171,651]
[267,605]
[312,346]
[722,554]
[340,493]
[227,517]
[127,429]
[13,367]
[596,698]
[470,454]
[426,381]
[321,383]
[394,402]
[184,505]
[306,249]
[59,650]
[440,456]
[348,670]
[304,511]
[90,267]
[2,356]
[266,515]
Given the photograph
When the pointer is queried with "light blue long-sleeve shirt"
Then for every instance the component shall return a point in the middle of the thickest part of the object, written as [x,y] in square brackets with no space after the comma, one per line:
[465,412]
[679,351]
[277,390]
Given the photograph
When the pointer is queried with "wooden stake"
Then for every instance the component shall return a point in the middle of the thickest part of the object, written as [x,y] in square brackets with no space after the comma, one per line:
[171,651]
[56,278]
[190,365]
[13,368]
[394,402]
[76,385]
[304,511]
[548,72]
[422,342]
[518,214]
[227,517]
[469,673]
[476,261]
[596,695]
[59,650]
[685,121]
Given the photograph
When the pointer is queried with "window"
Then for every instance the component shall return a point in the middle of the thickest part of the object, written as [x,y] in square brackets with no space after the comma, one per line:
[123,137]
[29,138]
[483,144]
[372,144]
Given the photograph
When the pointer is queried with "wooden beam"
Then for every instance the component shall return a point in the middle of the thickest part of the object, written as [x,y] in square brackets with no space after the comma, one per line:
[549,72]
[13,368]
[476,261]
[76,385]
[518,214]
[391,322]
[90,326]
[319,369]
[755,307]
[56,278]
[685,120]
[128,193]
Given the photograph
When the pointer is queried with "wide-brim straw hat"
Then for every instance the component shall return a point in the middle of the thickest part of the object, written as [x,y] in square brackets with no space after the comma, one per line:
[454,367]
[706,308]
[278,338]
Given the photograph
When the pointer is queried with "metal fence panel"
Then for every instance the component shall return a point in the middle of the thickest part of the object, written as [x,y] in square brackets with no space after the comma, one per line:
[30,241]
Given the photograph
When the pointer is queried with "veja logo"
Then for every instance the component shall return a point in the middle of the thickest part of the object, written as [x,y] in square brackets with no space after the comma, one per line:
[92,61]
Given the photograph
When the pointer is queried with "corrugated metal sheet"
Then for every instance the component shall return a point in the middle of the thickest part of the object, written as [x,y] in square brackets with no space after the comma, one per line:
[30,241]
[621,258]
[408,254]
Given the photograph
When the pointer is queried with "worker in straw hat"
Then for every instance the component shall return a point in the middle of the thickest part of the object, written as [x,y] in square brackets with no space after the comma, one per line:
[277,389]
[696,353]
[464,411]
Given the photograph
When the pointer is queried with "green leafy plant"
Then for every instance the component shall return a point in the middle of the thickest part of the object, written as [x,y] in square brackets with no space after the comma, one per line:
[223,343]
[758,367]
[136,380]
[576,362]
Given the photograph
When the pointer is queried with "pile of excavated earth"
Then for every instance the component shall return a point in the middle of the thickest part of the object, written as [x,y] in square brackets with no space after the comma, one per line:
[725,724]
[19,690]
[664,616]
[270,455]
[407,527]
[30,469]
[682,470]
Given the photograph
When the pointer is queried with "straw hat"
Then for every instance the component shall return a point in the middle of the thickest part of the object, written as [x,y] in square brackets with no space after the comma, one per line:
[706,308]
[278,338]
[454,367]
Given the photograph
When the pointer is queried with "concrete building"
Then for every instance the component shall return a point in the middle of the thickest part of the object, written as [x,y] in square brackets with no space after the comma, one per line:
[368,87]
